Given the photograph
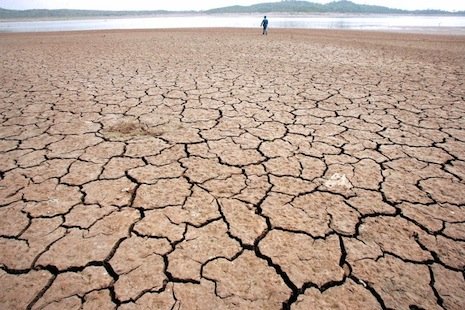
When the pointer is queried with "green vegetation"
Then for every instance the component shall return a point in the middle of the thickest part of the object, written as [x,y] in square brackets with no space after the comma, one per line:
[277,7]
[10,14]
[332,7]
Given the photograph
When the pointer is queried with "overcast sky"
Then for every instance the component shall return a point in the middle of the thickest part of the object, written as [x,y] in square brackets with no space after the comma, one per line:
[179,5]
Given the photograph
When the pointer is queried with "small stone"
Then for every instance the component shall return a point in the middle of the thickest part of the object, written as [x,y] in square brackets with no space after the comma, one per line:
[338,180]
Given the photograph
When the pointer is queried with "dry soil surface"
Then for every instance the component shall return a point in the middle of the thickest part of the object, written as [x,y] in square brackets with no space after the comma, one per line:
[222,169]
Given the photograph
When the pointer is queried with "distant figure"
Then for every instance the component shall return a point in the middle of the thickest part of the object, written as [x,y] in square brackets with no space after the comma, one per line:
[264,24]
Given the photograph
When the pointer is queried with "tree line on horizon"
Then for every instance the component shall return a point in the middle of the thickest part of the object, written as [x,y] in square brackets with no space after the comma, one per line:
[342,6]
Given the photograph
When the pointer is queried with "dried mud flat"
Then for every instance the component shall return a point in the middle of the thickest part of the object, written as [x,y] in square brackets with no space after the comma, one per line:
[219,169]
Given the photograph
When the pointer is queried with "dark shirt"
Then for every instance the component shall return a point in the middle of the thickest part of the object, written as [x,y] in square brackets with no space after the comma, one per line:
[264,23]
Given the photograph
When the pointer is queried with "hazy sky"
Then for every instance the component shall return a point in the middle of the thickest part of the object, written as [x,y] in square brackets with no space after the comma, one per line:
[449,5]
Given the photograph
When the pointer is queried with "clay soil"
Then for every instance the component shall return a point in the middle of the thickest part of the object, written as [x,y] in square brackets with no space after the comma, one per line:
[223,169]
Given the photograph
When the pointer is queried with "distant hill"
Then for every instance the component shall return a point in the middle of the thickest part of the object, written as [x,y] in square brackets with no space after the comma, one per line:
[273,7]
[306,7]
[331,7]
[19,14]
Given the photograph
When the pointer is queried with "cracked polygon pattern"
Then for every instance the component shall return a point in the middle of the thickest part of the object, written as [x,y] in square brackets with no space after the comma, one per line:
[345,296]
[217,169]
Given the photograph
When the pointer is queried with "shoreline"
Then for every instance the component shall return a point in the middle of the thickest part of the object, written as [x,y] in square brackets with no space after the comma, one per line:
[439,31]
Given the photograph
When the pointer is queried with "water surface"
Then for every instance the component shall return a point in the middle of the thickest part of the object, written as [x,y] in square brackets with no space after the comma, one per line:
[443,24]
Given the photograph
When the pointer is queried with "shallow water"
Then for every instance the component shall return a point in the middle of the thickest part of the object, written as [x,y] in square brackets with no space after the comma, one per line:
[443,24]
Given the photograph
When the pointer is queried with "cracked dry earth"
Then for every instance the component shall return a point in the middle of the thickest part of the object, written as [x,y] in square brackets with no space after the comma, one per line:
[219,169]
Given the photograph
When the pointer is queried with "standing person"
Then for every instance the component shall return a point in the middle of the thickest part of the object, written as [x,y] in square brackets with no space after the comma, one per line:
[264,24]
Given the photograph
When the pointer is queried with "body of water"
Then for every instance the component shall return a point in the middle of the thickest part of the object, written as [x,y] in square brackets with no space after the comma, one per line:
[443,24]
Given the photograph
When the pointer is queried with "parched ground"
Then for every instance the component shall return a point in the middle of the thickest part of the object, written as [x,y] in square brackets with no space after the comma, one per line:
[220,169]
